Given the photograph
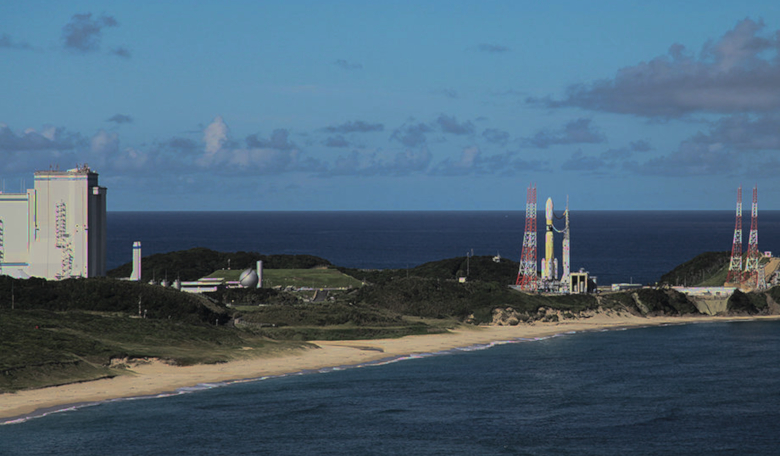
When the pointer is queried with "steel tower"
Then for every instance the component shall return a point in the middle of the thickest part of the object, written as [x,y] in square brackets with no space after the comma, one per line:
[527,279]
[752,262]
[566,278]
[735,266]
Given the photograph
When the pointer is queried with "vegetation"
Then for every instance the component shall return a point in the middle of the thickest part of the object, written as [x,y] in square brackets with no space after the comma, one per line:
[478,268]
[109,295]
[71,330]
[195,263]
[750,303]
[44,347]
[435,298]
[703,270]
[297,278]
[332,321]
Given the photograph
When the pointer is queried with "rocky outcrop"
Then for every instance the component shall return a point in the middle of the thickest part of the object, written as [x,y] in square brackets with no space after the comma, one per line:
[511,317]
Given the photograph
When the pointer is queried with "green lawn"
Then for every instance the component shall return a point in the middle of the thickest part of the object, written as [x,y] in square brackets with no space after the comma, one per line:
[298,278]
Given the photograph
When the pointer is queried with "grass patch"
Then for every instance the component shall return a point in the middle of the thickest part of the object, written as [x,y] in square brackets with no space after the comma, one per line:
[348,332]
[297,278]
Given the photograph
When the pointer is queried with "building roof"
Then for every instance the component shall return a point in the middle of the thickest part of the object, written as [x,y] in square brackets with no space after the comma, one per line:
[80,169]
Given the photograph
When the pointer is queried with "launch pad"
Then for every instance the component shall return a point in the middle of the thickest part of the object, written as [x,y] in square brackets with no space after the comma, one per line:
[549,281]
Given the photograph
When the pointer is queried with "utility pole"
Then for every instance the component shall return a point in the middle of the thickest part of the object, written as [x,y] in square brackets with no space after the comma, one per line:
[12,295]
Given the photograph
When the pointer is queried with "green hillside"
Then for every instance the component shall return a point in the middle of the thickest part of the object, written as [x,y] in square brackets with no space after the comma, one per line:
[707,269]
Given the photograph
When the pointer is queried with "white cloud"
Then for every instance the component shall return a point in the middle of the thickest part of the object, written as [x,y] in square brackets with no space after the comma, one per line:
[215,135]
[104,143]
[739,72]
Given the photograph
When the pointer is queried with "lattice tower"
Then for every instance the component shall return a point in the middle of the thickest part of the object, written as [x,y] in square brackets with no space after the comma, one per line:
[735,266]
[753,259]
[1,243]
[527,278]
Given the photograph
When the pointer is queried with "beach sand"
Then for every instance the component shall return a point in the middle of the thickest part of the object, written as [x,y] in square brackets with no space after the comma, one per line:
[155,377]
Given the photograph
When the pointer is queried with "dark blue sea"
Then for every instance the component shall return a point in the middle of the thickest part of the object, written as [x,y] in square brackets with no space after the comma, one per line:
[711,388]
[699,389]
[615,246]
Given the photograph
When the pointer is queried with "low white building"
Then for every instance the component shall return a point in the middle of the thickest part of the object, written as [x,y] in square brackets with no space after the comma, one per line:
[57,229]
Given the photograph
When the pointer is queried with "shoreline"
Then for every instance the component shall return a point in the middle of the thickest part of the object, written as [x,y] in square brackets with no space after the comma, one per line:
[157,379]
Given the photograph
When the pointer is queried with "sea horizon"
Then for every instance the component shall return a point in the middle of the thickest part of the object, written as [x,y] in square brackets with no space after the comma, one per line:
[557,210]
[615,246]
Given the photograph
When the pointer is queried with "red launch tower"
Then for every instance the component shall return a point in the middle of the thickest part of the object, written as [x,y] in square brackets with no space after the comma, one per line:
[527,279]
[752,262]
[735,266]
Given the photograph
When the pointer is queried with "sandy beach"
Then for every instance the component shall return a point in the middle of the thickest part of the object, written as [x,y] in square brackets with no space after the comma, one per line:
[155,377]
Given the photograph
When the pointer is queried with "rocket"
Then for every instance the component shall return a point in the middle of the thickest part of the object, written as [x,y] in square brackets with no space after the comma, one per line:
[549,253]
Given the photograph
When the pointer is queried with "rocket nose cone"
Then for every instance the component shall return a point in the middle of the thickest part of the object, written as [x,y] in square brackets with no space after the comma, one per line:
[548,210]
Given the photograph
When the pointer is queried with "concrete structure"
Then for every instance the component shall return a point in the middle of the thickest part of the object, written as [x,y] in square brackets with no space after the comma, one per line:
[706,291]
[57,229]
[709,300]
[626,286]
[204,285]
[136,273]
[582,282]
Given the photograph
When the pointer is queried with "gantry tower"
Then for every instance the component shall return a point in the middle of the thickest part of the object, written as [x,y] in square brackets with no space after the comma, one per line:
[735,265]
[527,279]
[753,269]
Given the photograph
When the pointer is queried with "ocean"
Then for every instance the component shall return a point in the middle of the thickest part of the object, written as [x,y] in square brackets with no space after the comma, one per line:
[615,246]
[699,389]
[710,388]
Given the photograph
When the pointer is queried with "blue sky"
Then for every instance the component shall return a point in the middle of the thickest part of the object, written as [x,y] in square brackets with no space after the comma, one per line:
[405,105]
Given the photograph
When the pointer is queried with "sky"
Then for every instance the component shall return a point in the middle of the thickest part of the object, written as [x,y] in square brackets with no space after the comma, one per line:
[405,105]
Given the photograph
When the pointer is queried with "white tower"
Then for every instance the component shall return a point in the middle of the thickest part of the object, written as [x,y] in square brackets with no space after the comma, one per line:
[136,274]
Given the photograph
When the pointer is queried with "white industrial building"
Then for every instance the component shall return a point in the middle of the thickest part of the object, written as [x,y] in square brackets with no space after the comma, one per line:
[57,229]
